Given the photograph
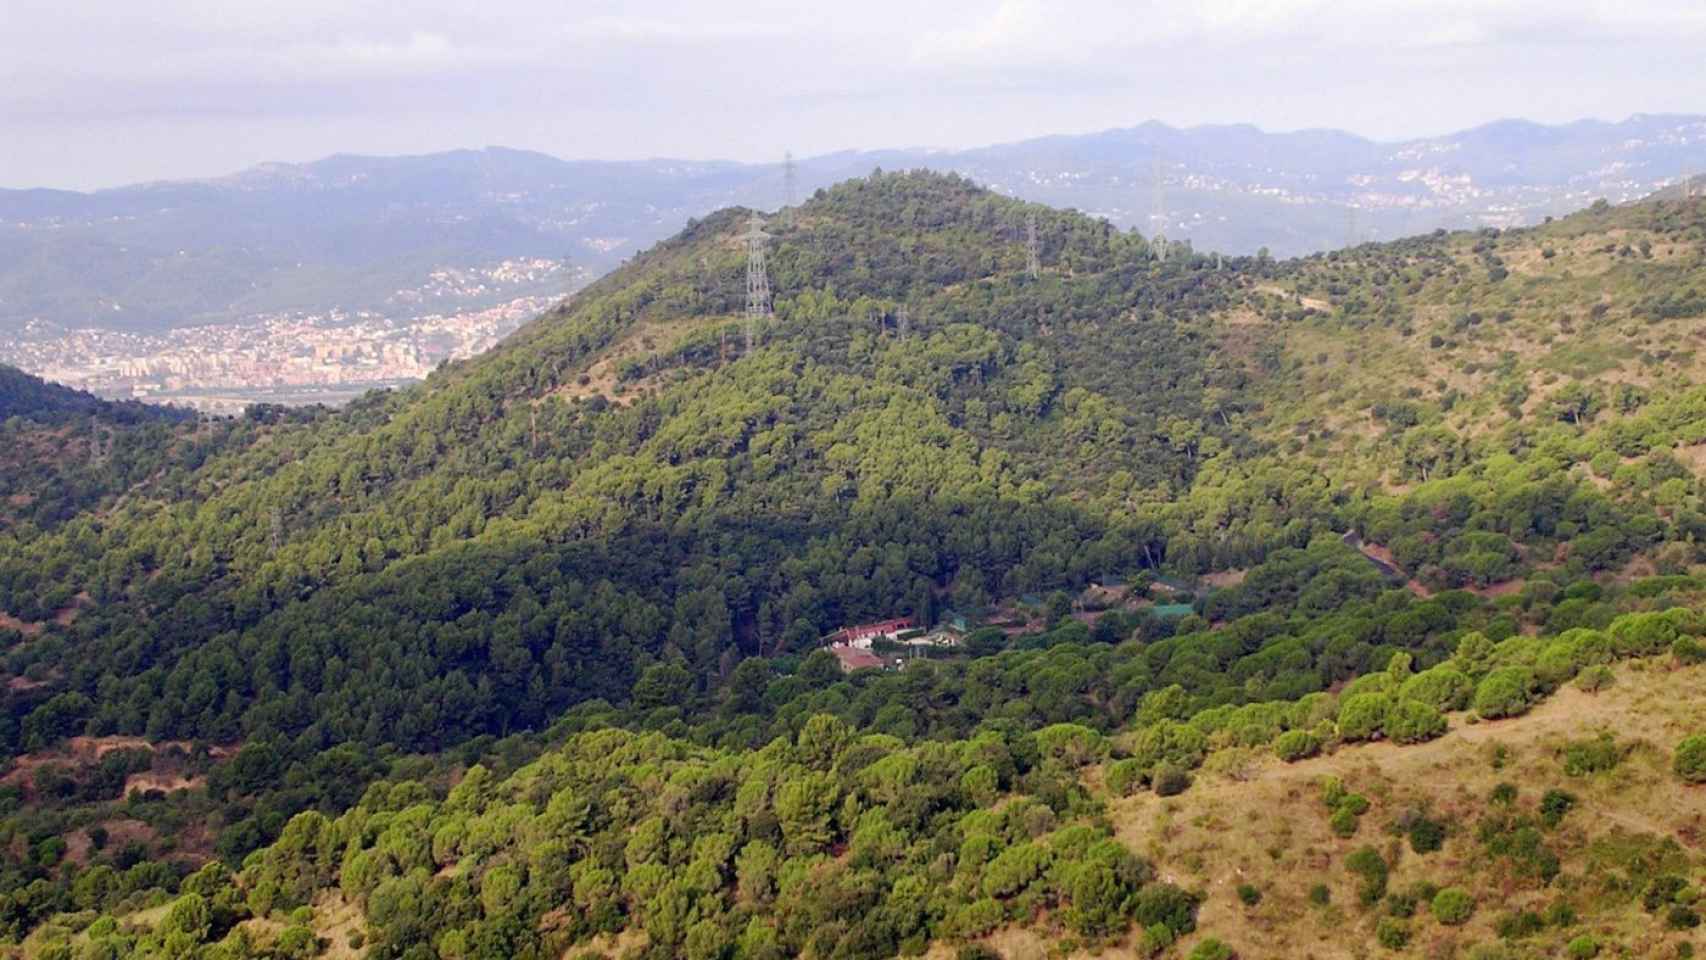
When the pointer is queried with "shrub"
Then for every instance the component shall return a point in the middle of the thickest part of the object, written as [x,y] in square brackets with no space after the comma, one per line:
[1690,760]
[1211,949]
[976,918]
[1170,781]
[1320,895]
[977,951]
[1249,895]
[1367,864]
[1523,923]
[1157,937]
[1583,947]
[1392,933]
[1554,805]
[1642,634]
[1680,917]
[1426,835]
[1363,716]
[1412,721]
[1401,905]
[1688,650]
[1295,745]
[1595,678]
[1500,755]
[1343,822]
[1123,777]
[1662,891]
[1071,744]
[1442,687]
[1452,906]
[1504,693]
[1168,741]
[1582,757]
[1332,791]
[1165,904]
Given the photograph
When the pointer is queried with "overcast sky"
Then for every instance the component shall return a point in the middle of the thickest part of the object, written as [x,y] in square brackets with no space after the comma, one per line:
[100,92]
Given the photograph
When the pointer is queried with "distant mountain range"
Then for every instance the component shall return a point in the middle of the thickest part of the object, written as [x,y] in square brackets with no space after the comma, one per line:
[348,232]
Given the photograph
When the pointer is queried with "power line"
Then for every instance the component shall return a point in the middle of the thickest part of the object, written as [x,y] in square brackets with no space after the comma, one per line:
[1033,249]
[1159,216]
[757,277]
[788,185]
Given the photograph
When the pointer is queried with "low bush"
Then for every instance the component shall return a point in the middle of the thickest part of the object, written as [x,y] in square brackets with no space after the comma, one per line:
[1452,906]
[1295,745]
[1690,760]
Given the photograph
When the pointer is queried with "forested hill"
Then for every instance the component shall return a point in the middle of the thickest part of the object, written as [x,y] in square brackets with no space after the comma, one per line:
[64,451]
[629,516]
[920,424]
[615,484]
[23,395]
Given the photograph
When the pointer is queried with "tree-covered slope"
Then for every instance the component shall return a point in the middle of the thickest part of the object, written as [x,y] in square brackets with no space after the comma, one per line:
[715,504]
[1504,401]
[64,451]
[1494,822]
[23,395]
[623,482]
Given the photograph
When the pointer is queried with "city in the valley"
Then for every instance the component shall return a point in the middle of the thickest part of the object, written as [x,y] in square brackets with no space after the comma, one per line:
[326,356]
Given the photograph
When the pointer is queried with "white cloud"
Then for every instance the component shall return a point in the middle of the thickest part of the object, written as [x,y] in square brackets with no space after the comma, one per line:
[417,52]
[641,29]
[1014,26]
[738,77]
[1031,32]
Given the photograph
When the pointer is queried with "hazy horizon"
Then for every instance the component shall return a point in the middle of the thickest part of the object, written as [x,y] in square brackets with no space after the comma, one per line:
[871,148]
[190,89]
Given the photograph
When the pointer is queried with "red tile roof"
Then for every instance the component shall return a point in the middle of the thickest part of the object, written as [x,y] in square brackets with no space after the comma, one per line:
[852,658]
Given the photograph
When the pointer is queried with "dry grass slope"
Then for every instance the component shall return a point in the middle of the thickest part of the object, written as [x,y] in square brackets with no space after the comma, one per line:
[1261,822]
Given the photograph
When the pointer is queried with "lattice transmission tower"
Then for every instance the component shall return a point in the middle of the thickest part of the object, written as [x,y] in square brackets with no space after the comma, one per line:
[757,278]
[100,445]
[1033,249]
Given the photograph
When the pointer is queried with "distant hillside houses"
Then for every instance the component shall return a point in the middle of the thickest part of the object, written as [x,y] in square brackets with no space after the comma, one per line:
[853,646]
[862,636]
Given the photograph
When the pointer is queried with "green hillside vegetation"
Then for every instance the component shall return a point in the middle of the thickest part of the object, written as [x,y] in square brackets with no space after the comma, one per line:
[598,560]
[64,452]
[837,843]
[22,395]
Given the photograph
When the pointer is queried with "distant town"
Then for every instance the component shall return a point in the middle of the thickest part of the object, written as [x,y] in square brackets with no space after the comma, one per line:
[300,357]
